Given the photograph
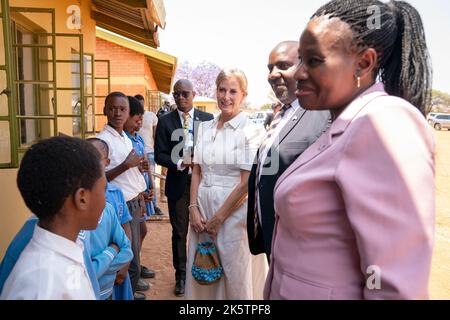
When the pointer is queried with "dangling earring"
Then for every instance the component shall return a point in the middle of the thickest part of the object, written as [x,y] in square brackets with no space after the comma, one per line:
[358,80]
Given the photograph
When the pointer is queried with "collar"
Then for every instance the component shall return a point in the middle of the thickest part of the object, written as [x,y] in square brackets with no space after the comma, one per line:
[114,131]
[64,247]
[191,113]
[348,114]
[111,187]
[295,105]
[134,137]
[234,122]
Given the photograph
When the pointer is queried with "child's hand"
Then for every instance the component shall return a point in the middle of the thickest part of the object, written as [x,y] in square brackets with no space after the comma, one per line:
[142,204]
[147,195]
[115,247]
[121,275]
[133,160]
[144,166]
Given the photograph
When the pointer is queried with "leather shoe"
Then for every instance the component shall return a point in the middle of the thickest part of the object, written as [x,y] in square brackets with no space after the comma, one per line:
[139,296]
[179,288]
[158,212]
[142,285]
[146,273]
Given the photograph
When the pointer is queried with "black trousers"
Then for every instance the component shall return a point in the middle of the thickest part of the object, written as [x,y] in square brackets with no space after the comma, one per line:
[179,219]
[135,265]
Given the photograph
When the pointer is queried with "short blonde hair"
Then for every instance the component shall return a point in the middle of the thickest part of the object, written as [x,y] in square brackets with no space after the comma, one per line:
[233,73]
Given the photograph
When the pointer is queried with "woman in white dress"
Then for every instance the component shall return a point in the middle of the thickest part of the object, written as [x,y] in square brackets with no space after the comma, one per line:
[224,153]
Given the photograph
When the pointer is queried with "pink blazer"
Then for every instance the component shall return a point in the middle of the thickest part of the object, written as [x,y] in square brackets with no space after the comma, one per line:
[355,212]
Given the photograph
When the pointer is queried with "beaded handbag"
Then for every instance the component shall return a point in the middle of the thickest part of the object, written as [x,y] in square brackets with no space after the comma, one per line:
[207,268]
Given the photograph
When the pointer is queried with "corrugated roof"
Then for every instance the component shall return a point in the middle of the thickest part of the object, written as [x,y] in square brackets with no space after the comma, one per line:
[134,19]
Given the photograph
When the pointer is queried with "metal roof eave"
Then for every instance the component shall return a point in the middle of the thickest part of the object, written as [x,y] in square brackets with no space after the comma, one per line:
[164,65]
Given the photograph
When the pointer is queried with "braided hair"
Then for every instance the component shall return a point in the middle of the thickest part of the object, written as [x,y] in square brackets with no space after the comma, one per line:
[403,61]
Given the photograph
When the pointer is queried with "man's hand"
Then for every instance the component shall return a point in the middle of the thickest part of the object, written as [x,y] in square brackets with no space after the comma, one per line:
[133,159]
[186,165]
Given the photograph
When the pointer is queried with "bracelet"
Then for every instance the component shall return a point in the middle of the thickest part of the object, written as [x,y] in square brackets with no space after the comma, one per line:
[193,205]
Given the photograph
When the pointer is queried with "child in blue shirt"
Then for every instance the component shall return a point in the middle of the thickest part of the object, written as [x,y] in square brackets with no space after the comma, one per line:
[110,250]
[131,128]
[122,289]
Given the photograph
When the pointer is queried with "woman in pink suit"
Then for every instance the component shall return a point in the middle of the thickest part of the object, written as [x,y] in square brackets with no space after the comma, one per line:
[355,212]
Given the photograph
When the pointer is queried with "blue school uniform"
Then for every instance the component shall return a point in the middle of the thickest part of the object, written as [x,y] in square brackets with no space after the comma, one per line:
[139,147]
[115,197]
[22,239]
[107,262]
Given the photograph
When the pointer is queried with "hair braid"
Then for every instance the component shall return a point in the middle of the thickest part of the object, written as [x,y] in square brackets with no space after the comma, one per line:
[403,60]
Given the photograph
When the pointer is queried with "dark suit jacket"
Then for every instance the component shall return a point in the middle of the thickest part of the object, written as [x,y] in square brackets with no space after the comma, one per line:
[303,128]
[176,181]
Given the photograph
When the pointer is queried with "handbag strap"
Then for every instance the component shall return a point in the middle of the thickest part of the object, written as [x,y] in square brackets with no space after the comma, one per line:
[204,237]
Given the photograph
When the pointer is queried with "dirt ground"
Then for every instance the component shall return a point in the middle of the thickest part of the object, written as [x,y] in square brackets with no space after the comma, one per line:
[157,253]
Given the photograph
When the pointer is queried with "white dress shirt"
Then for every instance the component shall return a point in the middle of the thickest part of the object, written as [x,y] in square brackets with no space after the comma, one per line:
[50,267]
[149,121]
[131,182]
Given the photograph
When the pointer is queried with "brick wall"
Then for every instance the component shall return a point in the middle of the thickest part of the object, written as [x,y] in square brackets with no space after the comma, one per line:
[124,62]
[126,66]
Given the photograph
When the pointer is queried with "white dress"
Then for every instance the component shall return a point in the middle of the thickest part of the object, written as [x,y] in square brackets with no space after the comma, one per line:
[222,154]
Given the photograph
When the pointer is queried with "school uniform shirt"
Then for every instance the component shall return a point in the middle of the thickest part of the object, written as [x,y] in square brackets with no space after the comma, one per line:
[106,260]
[114,197]
[139,146]
[50,267]
[22,239]
[149,121]
[131,182]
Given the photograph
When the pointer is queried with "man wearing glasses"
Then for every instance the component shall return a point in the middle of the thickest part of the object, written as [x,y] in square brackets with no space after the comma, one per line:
[174,147]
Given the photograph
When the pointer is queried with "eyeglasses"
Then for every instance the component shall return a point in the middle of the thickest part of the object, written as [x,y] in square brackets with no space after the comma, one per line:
[185,94]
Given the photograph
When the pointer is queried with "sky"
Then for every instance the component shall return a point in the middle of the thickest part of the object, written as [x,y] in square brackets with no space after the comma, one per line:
[241,34]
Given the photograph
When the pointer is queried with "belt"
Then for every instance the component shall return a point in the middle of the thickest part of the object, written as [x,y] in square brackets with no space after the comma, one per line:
[209,180]
[134,199]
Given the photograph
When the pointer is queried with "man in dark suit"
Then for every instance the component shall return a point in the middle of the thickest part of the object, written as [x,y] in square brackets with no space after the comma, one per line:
[292,130]
[174,145]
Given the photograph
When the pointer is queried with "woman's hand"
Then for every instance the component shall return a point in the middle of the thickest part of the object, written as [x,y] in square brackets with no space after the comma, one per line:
[196,219]
[213,225]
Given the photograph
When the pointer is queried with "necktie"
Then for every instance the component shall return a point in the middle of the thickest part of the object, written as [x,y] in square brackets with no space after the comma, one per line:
[186,146]
[260,165]
[186,117]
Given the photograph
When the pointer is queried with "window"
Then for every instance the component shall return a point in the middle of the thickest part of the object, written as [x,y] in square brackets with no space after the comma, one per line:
[153,100]
[46,82]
